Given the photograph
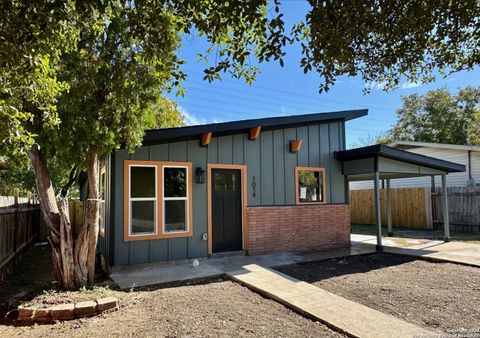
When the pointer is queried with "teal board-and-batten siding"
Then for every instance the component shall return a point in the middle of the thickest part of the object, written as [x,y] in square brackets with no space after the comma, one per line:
[270,164]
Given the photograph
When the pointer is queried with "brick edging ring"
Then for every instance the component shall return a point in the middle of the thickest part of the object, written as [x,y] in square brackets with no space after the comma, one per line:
[67,311]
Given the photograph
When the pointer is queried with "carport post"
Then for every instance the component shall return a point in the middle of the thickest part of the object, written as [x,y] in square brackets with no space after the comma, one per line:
[389,208]
[378,210]
[446,222]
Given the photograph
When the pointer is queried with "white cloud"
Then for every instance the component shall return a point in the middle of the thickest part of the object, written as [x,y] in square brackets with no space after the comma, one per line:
[408,85]
[193,120]
[378,85]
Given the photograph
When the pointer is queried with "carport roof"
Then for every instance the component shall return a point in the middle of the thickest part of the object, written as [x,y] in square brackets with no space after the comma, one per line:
[380,150]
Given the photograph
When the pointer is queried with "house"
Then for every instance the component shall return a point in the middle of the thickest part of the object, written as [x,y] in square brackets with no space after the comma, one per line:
[254,186]
[466,155]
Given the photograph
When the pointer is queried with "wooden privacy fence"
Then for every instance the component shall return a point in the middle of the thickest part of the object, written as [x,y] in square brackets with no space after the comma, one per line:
[420,208]
[463,206]
[411,207]
[19,226]
[76,211]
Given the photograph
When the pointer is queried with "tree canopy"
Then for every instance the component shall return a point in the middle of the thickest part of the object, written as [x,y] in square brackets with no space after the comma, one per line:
[439,117]
[95,67]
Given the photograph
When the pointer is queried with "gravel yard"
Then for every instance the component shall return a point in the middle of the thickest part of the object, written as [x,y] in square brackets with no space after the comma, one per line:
[215,309]
[439,296]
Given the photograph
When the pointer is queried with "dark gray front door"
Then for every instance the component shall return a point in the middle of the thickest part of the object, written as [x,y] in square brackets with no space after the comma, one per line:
[226,210]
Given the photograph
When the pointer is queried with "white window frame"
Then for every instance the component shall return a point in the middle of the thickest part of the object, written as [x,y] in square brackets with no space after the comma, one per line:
[142,199]
[186,199]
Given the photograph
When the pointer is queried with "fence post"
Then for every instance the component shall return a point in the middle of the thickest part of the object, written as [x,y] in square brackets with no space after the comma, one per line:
[15,224]
[389,208]
[446,222]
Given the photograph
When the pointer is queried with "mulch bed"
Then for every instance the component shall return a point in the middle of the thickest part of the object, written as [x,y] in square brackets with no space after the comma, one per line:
[212,309]
[439,296]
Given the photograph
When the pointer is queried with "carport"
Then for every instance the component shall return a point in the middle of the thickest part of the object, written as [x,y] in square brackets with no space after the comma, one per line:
[381,162]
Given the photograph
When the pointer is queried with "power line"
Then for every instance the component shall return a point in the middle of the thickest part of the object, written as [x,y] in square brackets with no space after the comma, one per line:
[284,92]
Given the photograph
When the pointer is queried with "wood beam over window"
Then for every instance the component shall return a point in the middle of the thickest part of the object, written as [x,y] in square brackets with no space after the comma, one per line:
[206,137]
[254,133]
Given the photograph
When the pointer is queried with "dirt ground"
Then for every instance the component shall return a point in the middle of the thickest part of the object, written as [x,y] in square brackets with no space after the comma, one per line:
[215,309]
[439,296]
[31,275]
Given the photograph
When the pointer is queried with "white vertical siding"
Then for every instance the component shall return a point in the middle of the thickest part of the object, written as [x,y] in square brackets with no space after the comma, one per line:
[453,180]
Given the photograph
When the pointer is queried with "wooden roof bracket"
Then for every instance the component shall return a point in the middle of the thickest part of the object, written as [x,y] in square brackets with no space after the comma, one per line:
[206,137]
[295,146]
[254,133]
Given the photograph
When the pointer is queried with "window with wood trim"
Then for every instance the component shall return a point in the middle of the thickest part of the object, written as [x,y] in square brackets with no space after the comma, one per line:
[175,199]
[157,200]
[143,200]
[310,185]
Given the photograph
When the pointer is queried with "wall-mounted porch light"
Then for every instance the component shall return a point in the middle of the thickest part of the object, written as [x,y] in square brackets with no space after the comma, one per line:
[199,175]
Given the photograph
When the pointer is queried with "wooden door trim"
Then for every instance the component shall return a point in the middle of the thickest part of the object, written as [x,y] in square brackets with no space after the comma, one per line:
[243,174]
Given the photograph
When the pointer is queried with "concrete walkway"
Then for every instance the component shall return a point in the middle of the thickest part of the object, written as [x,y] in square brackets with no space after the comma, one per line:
[344,315]
[455,251]
[141,275]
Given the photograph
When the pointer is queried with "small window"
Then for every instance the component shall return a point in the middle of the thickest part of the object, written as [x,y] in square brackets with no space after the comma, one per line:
[310,185]
[143,200]
[175,199]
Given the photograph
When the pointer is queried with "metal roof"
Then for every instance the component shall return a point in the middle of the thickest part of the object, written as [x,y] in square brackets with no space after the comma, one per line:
[380,150]
[166,135]
[411,144]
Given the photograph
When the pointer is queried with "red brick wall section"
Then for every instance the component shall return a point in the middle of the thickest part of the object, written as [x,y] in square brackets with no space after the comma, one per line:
[298,228]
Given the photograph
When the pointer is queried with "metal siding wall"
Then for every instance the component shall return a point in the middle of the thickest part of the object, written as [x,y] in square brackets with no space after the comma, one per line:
[103,242]
[225,149]
[196,246]
[279,167]
[213,150]
[122,249]
[302,155]
[337,181]
[290,163]
[267,168]
[238,148]
[252,160]
[313,146]
[325,158]
[268,159]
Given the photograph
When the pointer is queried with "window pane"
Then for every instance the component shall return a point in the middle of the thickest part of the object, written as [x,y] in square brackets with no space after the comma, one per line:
[310,186]
[175,182]
[143,217]
[308,177]
[175,215]
[225,181]
[142,181]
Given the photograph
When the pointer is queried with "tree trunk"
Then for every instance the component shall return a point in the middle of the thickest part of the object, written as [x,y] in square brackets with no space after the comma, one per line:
[87,239]
[73,261]
[57,221]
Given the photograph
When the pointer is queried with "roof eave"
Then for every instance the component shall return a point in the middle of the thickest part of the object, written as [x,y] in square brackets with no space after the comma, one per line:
[236,127]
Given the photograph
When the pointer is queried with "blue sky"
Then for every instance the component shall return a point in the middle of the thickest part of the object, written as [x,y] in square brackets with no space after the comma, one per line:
[287,91]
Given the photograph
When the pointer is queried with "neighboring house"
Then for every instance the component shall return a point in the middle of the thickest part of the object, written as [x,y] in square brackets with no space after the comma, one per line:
[258,186]
[466,155]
